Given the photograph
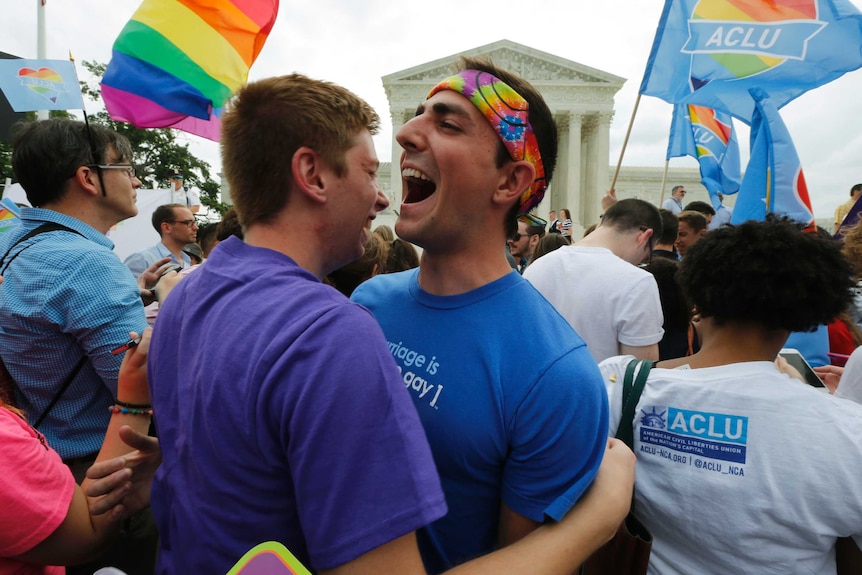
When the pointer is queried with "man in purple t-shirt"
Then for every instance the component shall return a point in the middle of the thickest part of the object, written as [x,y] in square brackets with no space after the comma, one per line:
[280,411]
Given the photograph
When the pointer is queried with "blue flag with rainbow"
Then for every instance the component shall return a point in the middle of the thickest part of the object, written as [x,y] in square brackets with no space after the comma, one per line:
[708,136]
[773,182]
[31,85]
[9,214]
[711,52]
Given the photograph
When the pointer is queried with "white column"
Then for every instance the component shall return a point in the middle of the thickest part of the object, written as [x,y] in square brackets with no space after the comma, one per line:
[590,160]
[573,165]
[395,168]
[603,151]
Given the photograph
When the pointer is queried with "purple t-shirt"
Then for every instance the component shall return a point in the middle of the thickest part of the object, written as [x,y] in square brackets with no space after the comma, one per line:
[282,417]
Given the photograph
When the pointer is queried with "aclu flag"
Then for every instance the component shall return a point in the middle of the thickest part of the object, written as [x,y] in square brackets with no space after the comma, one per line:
[710,52]
[32,85]
[708,136]
[773,181]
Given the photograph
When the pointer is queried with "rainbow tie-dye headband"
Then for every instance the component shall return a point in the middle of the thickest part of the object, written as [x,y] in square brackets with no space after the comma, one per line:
[508,112]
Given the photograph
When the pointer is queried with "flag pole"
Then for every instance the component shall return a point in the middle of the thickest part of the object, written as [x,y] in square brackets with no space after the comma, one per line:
[626,141]
[41,51]
[93,149]
[663,182]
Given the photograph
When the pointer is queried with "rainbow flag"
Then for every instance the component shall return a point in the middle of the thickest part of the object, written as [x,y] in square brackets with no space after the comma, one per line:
[177,62]
[711,52]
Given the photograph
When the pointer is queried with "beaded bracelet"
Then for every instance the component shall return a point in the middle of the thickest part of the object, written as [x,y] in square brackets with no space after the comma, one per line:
[130,410]
[132,405]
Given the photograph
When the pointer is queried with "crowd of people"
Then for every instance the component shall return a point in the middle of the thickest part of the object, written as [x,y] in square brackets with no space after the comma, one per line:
[441,397]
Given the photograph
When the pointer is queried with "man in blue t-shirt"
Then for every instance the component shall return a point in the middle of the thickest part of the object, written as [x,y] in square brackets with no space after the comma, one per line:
[510,398]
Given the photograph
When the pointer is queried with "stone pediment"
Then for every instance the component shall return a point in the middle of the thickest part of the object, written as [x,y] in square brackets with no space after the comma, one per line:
[533,65]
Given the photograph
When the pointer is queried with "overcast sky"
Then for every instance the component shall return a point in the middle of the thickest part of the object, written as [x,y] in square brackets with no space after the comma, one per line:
[356,42]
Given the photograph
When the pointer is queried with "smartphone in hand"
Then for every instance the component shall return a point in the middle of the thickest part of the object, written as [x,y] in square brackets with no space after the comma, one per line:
[795,359]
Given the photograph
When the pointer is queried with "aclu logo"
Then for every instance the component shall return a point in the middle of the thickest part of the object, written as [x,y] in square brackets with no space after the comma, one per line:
[709,426]
[785,39]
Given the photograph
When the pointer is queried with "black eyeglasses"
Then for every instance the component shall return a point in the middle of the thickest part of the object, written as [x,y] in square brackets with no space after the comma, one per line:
[516,236]
[188,223]
[130,169]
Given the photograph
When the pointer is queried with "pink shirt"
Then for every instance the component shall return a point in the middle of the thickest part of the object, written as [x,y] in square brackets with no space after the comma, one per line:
[35,493]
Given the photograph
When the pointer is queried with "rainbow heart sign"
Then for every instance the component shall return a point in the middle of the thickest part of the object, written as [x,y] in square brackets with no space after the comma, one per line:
[711,52]
[31,85]
[45,81]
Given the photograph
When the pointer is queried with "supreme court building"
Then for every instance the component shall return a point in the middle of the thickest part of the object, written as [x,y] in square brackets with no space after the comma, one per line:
[582,101]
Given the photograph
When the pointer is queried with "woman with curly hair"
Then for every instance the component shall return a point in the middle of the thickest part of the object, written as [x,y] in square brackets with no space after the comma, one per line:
[741,468]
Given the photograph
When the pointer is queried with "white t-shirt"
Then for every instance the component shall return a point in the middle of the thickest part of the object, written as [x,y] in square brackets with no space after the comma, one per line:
[850,386]
[607,300]
[742,469]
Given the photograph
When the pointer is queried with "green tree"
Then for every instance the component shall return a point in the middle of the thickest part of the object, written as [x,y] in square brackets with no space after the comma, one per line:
[156,150]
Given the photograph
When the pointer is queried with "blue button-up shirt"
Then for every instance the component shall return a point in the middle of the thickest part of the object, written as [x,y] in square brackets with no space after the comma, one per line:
[65,295]
[140,261]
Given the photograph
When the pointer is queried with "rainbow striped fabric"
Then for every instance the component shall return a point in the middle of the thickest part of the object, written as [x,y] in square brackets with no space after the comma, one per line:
[177,62]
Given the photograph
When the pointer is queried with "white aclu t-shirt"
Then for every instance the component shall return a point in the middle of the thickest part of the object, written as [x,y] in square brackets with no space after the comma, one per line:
[742,469]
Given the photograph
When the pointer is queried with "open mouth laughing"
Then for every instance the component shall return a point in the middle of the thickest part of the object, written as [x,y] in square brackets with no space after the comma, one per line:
[417,185]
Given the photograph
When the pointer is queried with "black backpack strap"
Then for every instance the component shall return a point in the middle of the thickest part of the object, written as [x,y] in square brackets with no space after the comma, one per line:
[44,228]
[632,389]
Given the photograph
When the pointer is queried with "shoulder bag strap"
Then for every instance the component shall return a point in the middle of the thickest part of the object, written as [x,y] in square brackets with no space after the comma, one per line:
[632,389]
[44,228]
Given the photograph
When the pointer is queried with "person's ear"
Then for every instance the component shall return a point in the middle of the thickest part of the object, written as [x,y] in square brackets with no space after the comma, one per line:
[519,177]
[646,235]
[87,178]
[307,168]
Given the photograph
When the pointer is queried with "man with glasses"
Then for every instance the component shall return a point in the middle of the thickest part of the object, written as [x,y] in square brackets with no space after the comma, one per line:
[66,299]
[597,286]
[522,243]
[176,226]
[674,202]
